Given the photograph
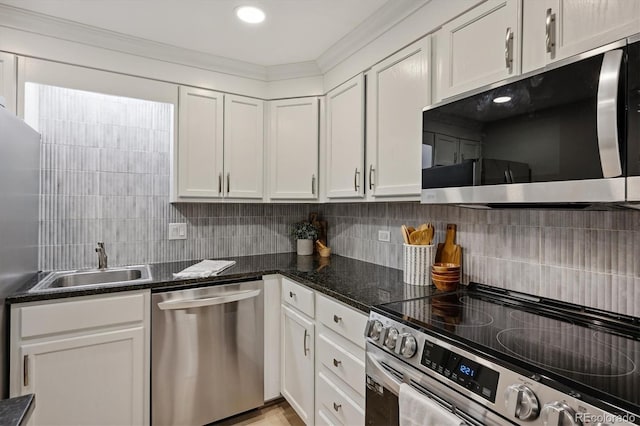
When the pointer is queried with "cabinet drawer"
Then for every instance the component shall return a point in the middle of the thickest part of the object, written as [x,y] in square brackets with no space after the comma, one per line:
[325,419]
[298,296]
[349,367]
[60,317]
[342,319]
[331,398]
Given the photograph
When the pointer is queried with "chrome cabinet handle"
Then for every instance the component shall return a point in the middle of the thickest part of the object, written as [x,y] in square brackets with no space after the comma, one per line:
[219,183]
[336,363]
[337,319]
[607,114]
[313,184]
[356,184]
[304,342]
[371,170]
[550,32]
[25,370]
[336,406]
[508,49]
[228,182]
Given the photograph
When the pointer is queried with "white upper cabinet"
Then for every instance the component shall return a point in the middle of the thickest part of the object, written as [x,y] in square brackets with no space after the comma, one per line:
[220,146]
[8,80]
[200,143]
[243,147]
[397,88]
[345,139]
[293,149]
[557,29]
[478,48]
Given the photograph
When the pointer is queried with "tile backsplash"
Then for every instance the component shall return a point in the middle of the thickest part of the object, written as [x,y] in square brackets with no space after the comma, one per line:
[585,257]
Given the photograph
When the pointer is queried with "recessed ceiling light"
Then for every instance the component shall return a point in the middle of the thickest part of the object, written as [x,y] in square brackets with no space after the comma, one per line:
[250,14]
[502,99]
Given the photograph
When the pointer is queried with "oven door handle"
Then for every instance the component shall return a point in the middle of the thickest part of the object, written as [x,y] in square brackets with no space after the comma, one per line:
[393,384]
[389,382]
[607,114]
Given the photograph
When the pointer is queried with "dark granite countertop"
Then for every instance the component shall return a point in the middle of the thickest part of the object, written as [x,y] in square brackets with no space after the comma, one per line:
[16,411]
[356,283]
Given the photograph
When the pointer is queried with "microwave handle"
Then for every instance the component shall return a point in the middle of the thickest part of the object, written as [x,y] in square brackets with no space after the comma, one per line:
[607,114]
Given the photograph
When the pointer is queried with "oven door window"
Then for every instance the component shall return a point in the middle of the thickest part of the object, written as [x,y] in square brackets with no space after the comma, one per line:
[540,129]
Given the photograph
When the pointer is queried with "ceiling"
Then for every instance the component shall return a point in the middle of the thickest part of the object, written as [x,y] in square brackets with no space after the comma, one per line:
[294,30]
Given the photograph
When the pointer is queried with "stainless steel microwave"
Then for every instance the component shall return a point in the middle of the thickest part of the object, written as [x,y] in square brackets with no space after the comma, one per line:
[568,134]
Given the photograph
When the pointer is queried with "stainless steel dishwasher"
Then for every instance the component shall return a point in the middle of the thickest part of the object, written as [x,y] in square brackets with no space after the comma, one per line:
[207,353]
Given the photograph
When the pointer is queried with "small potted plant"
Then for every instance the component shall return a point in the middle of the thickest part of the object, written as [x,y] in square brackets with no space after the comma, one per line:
[305,233]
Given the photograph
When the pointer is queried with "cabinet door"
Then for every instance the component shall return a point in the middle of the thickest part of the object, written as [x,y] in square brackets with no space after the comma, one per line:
[8,76]
[243,147]
[293,149]
[345,139]
[478,48]
[445,150]
[398,90]
[102,375]
[469,150]
[200,143]
[297,363]
[572,27]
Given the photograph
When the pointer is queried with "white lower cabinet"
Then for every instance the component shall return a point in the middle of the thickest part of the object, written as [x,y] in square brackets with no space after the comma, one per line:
[86,359]
[322,358]
[297,366]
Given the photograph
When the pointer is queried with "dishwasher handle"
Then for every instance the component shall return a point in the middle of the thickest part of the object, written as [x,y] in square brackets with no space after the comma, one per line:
[207,301]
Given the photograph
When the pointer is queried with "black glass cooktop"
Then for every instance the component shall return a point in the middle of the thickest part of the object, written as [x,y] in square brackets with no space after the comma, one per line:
[563,342]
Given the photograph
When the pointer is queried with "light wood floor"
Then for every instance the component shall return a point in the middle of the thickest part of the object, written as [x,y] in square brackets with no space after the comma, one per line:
[278,414]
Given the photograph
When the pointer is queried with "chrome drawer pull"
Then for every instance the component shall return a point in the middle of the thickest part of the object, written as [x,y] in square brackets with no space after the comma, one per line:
[337,319]
[336,363]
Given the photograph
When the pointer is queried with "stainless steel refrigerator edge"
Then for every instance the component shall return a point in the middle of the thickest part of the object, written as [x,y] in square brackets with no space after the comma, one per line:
[207,353]
[19,202]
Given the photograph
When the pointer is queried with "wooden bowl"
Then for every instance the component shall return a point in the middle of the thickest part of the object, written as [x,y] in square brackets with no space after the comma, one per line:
[445,267]
[446,274]
[455,279]
[444,285]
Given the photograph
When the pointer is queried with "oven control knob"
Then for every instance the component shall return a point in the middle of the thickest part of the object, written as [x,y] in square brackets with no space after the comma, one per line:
[407,345]
[558,413]
[374,330]
[391,339]
[521,402]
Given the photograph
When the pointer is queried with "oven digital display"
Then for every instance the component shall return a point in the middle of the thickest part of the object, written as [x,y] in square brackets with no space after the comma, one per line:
[466,370]
[469,374]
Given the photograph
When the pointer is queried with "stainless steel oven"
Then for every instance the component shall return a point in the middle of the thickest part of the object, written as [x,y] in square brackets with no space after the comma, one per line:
[484,356]
[565,134]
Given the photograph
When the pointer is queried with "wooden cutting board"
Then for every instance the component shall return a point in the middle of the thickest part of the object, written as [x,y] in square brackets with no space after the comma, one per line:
[449,251]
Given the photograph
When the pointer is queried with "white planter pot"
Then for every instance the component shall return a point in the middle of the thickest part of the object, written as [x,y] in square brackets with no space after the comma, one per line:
[305,247]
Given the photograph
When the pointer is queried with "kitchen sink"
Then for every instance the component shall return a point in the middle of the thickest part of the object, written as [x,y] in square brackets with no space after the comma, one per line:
[94,277]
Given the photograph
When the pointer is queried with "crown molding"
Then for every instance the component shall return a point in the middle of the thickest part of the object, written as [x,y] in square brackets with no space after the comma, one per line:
[37,23]
[294,70]
[389,15]
[392,13]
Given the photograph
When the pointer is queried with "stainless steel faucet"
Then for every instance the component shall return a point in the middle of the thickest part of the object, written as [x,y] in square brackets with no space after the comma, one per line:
[102,256]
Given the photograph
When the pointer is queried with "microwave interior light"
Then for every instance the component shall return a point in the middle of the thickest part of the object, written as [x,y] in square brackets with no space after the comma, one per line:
[501,99]
[250,14]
